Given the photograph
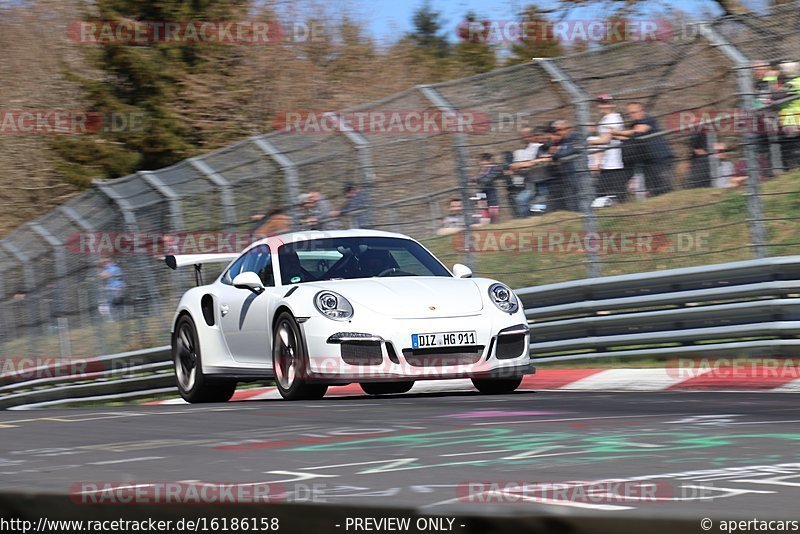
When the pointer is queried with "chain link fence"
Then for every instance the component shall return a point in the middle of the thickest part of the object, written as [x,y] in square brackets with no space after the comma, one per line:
[572,213]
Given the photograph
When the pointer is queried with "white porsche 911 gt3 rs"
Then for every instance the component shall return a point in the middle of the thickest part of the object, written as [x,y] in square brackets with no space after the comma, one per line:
[315,309]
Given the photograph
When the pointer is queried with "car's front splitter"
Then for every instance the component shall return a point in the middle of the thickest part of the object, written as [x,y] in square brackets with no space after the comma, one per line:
[360,352]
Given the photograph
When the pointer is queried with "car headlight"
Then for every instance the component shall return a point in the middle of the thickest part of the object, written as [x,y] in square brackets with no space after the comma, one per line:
[333,306]
[503,298]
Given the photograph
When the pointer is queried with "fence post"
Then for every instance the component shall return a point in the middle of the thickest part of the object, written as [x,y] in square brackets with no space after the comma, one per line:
[462,167]
[744,78]
[290,174]
[73,215]
[364,152]
[176,224]
[29,284]
[713,161]
[775,157]
[586,193]
[5,324]
[132,225]
[173,199]
[436,213]
[60,258]
[225,192]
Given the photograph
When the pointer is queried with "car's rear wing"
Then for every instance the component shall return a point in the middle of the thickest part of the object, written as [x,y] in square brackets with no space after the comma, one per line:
[182,260]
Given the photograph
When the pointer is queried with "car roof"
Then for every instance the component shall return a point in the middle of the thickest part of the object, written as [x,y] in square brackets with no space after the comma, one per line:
[310,235]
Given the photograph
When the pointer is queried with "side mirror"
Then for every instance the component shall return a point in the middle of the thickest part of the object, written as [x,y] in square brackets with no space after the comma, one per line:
[462,271]
[248,280]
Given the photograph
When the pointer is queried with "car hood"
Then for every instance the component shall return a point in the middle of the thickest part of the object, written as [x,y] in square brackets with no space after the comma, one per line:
[411,297]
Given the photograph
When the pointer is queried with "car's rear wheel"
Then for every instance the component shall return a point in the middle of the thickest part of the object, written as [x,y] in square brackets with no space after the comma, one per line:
[289,362]
[193,385]
[386,388]
[496,386]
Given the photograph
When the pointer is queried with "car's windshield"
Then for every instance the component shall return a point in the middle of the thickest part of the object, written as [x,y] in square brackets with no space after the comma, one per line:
[355,257]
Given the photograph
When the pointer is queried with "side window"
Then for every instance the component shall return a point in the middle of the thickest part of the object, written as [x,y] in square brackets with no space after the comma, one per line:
[234,269]
[250,260]
[262,265]
[257,260]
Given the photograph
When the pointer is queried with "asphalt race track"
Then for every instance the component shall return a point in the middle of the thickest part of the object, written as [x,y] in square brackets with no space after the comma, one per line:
[717,455]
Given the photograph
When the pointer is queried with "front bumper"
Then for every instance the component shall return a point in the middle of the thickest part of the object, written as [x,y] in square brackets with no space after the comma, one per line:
[341,352]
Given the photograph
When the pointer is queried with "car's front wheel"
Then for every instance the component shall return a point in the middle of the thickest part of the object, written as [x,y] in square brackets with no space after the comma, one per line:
[289,362]
[496,386]
[193,385]
[386,388]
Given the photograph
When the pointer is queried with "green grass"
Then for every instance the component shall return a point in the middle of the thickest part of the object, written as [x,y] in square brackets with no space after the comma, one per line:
[120,336]
[715,217]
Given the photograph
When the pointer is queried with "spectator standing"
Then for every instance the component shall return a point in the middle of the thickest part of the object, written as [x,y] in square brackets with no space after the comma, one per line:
[730,174]
[527,171]
[700,166]
[565,190]
[488,173]
[765,78]
[650,150]
[790,115]
[316,212]
[112,291]
[613,175]
[355,206]
[453,222]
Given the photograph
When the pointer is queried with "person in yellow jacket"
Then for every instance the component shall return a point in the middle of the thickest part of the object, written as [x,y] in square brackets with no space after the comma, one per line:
[789,116]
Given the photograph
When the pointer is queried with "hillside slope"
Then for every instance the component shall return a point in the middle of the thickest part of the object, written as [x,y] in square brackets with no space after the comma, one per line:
[681,229]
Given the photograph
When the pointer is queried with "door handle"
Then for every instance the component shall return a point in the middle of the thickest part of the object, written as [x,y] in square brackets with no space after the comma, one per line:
[224,309]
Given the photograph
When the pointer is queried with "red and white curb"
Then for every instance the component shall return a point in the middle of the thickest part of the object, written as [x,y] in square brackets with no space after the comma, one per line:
[656,379]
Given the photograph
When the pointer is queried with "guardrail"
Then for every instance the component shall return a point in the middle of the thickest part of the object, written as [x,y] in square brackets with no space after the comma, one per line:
[129,375]
[736,308]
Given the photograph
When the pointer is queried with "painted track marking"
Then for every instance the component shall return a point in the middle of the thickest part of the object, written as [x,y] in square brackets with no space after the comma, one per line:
[578,419]
[125,460]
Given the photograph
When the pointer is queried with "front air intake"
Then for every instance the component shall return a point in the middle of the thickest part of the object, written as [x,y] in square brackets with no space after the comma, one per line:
[443,357]
[512,346]
[362,353]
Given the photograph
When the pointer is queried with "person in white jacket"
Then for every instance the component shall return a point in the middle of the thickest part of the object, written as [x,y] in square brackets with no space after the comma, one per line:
[613,180]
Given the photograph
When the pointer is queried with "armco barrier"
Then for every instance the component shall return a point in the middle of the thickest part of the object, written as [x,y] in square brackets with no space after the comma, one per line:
[106,378]
[732,308]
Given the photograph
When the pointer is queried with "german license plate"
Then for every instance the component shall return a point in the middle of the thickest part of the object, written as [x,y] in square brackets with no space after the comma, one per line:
[443,339]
